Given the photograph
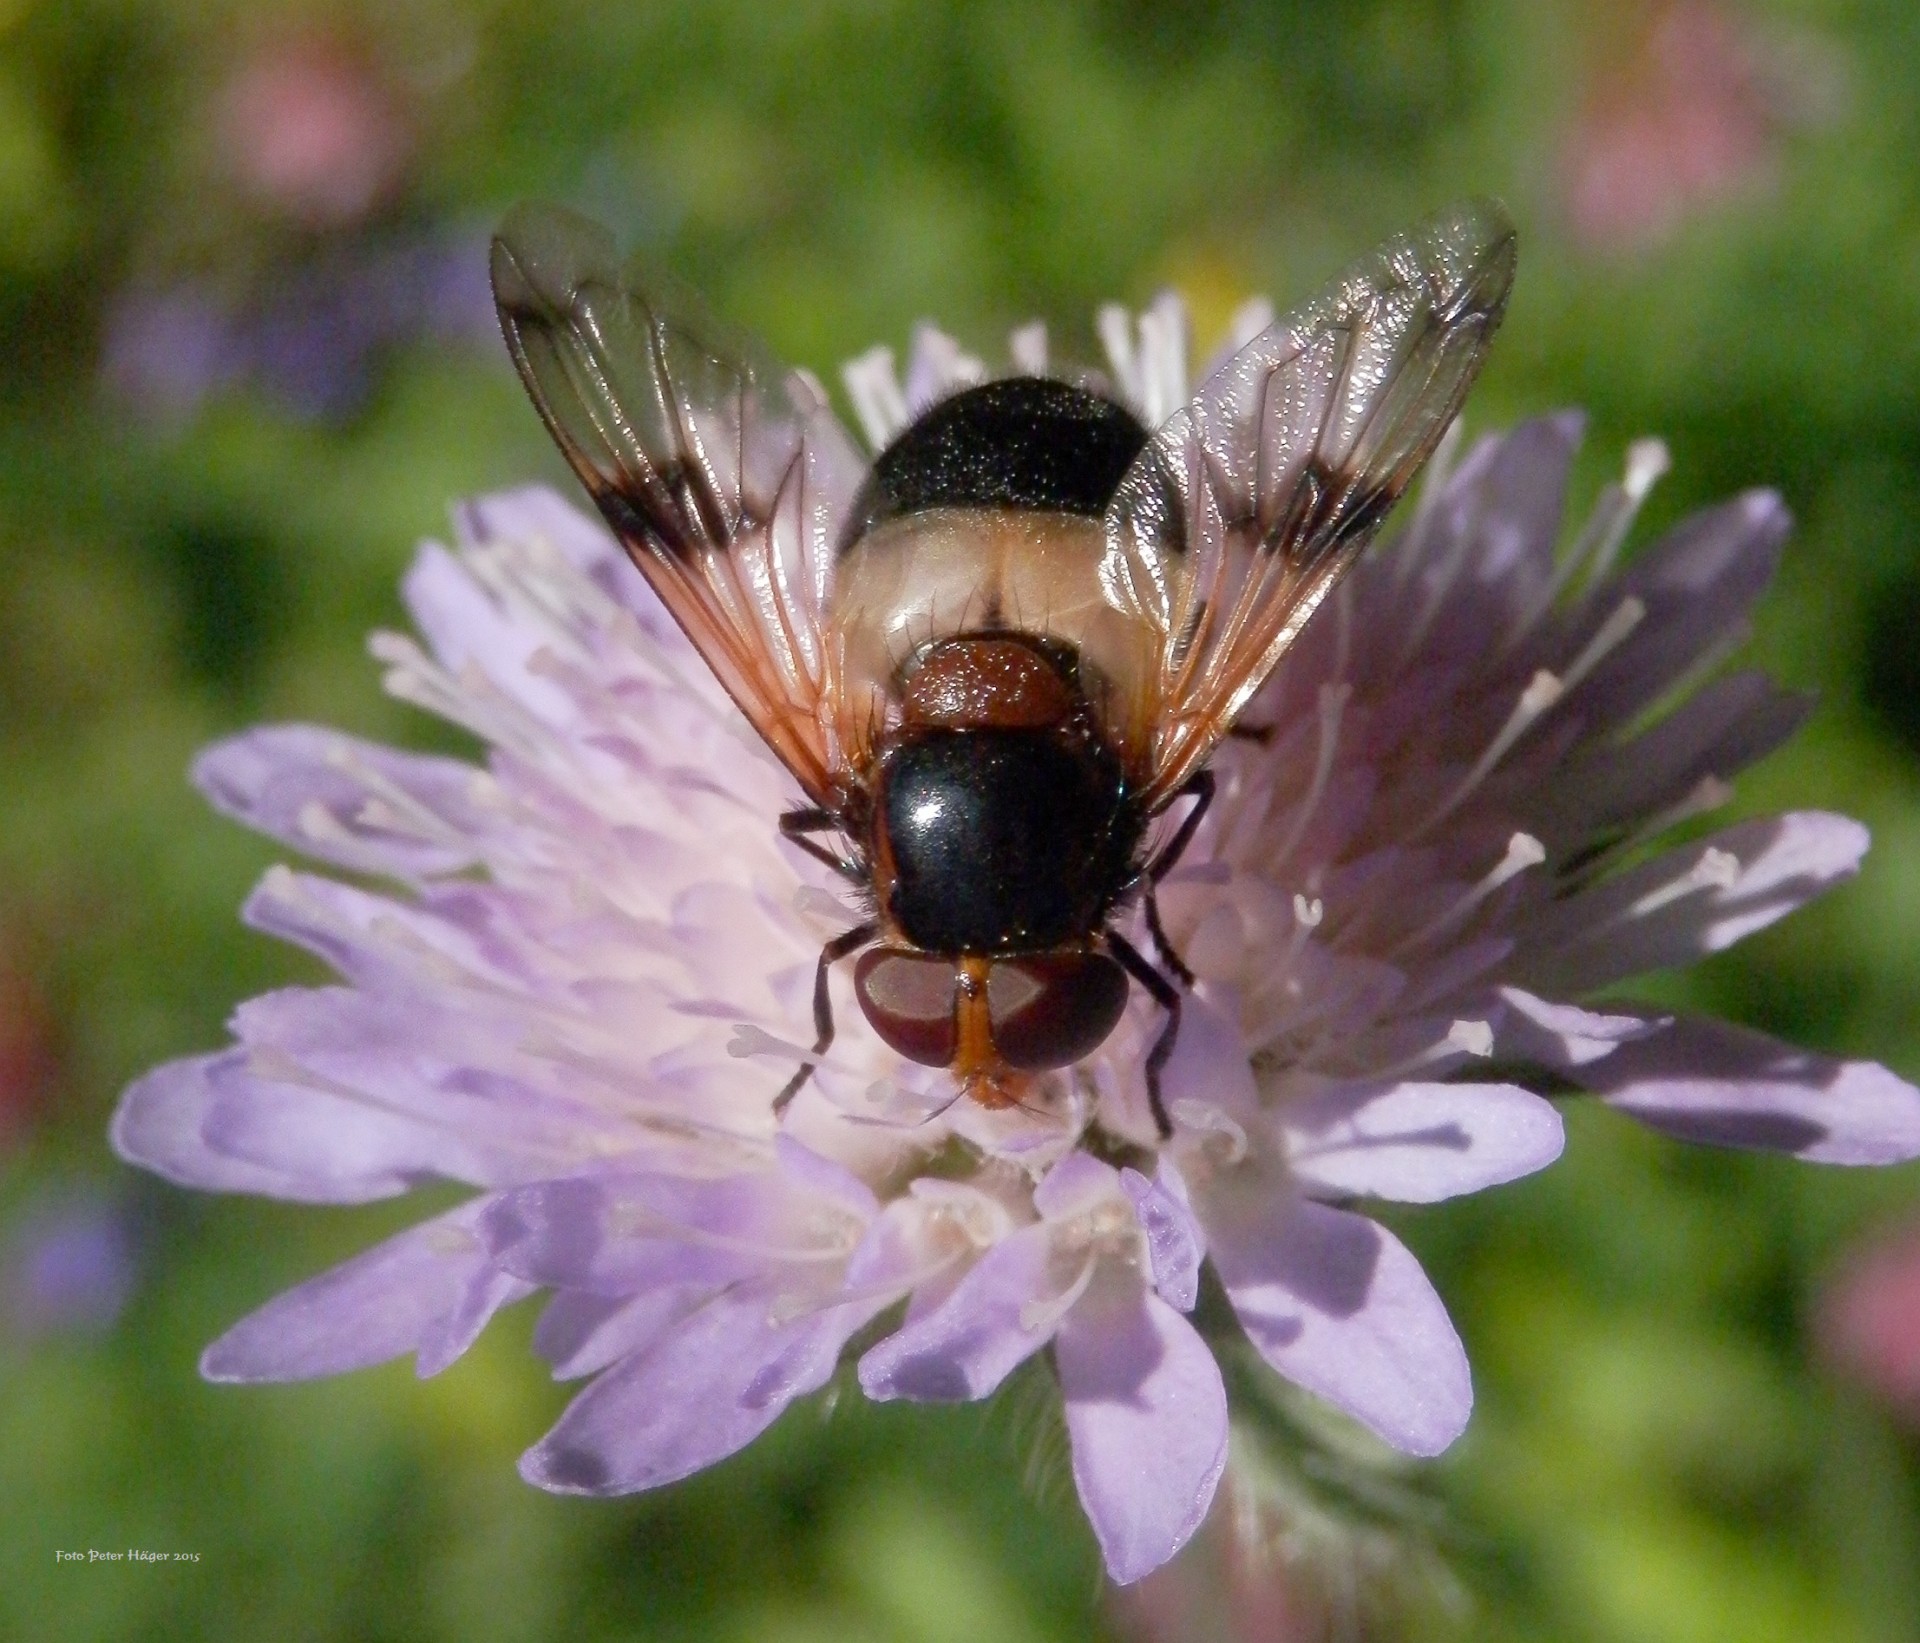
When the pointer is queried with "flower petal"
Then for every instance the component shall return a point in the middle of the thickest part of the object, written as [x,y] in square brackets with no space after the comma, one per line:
[1147,1416]
[709,1386]
[1560,1036]
[1175,1245]
[429,1290]
[1420,1143]
[366,808]
[580,1334]
[1708,1081]
[1339,1305]
[1688,902]
[972,1341]
[162,1125]
[614,1234]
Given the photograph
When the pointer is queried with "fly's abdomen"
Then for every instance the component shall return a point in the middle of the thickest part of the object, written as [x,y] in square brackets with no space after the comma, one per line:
[1002,841]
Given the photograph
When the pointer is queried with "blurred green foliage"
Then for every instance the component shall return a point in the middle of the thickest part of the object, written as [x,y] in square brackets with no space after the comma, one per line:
[1656,1457]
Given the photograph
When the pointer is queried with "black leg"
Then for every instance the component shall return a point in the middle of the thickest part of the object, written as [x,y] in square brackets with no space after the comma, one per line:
[1262,734]
[796,824]
[1167,996]
[1200,786]
[1162,946]
[832,953]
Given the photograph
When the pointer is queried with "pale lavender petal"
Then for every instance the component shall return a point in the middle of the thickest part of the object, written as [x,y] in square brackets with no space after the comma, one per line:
[1074,1185]
[468,629]
[711,1385]
[1521,492]
[1697,584]
[360,806]
[580,1334]
[995,1319]
[428,1290]
[538,513]
[1209,1061]
[614,1234]
[1419,1143]
[1689,902]
[1175,1246]
[161,1125]
[1147,1416]
[1338,1304]
[1722,728]
[446,1339]
[377,942]
[1708,1081]
[372,1085]
[1561,1036]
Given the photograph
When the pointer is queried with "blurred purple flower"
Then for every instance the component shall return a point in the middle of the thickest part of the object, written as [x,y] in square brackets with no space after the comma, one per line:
[66,1264]
[314,334]
[598,973]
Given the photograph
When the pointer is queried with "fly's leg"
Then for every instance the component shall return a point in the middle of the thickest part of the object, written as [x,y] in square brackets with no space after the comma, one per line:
[795,825]
[1167,996]
[1200,786]
[835,950]
[1161,945]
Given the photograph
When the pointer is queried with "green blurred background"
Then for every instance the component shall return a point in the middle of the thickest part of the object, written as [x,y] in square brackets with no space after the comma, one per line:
[248,363]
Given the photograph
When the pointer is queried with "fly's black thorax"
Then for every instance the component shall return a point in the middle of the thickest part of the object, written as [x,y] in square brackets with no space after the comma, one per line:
[1002,841]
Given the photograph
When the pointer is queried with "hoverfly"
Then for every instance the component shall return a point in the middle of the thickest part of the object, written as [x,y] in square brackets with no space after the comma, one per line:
[994,657]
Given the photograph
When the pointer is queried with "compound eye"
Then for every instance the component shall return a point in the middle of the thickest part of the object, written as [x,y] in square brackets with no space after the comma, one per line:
[909,998]
[1050,1009]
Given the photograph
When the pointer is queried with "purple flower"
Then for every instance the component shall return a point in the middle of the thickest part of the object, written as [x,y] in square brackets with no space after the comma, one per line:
[593,972]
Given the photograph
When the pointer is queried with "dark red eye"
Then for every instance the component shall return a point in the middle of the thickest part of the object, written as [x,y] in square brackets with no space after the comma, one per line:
[909,999]
[1050,1009]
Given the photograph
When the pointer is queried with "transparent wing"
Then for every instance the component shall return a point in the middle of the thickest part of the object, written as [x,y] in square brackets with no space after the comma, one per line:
[1250,502]
[725,478]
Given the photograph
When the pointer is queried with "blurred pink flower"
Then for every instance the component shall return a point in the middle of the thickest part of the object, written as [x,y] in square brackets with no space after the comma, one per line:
[312,131]
[1867,1321]
[596,966]
[1687,117]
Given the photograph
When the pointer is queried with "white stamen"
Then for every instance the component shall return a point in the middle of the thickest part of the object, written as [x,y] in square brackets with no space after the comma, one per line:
[1600,537]
[1647,461]
[811,902]
[874,388]
[1412,546]
[1333,702]
[749,1040]
[395,810]
[1223,1139]
[937,367]
[1627,616]
[1115,326]
[1475,1037]
[1251,318]
[1523,851]
[1163,358]
[1041,1316]
[1715,870]
[1027,347]
[1705,796]
[1542,691]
